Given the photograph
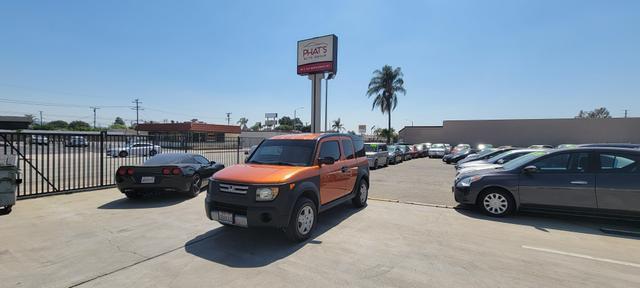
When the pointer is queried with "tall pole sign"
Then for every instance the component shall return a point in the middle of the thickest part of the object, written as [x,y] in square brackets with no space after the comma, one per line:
[317,56]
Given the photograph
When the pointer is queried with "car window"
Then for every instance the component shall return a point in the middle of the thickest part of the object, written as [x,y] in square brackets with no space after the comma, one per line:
[359,146]
[553,163]
[284,152]
[579,162]
[347,146]
[330,149]
[618,163]
[201,160]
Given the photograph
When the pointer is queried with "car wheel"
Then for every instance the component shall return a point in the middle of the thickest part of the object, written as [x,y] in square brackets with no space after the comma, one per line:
[497,203]
[133,195]
[7,209]
[123,154]
[194,189]
[153,153]
[360,199]
[375,164]
[303,220]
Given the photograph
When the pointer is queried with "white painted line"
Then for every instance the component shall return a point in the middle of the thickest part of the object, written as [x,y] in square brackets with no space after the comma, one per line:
[582,256]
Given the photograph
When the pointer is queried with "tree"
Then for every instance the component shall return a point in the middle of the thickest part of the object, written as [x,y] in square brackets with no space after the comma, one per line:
[337,125]
[119,121]
[243,123]
[601,112]
[257,126]
[57,125]
[385,86]
[79,126]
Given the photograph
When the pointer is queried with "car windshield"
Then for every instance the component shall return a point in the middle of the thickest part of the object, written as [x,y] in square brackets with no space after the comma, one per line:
[463,151]
[169,158]
[391,147]
[437,146]
[486,152]
[495,158]
[370,147]
[515,163]
[284,152]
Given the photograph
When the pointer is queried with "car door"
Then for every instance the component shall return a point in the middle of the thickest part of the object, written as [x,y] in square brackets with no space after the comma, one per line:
[331,186]
[383,153]
[561,179]
[205,168]
[618,181]
[349,167]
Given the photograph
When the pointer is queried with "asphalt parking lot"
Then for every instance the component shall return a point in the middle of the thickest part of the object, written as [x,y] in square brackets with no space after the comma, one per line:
[101,239]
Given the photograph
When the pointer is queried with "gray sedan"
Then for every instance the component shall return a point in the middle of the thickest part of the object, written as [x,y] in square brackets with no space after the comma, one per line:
[586,180]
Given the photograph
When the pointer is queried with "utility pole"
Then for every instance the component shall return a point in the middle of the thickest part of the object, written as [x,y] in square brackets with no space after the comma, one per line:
[137,108]
[40,119]
[94,116]
[625,112]
[326,99]
[228,118]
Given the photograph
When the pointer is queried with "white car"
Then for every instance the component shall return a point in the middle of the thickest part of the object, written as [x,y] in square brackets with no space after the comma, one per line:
[40,139]
[136,149]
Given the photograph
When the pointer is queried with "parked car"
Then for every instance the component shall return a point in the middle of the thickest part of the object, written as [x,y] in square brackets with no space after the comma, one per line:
[447,148]
[437,150]
[460,147]
[481,147]
[539,146]
[588,180]
[395,155]
[413,149]
[76,141]
[482,155]
[406,154]
[288,180]
[423,149]
[40,139]
[377,154]
[612,145]
[447,158]
[459,156]
[494,161]
[180,172]
[136,149]
[564,146]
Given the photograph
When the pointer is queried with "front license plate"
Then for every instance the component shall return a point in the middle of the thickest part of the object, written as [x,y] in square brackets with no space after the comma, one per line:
[225,217]
[147,180]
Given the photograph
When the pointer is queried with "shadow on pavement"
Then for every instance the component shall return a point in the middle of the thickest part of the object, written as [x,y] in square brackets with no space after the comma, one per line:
[573,223]
[256,247]
[153,200]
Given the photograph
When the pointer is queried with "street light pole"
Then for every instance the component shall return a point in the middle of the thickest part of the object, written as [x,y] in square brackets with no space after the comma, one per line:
[326,99]
[295,116]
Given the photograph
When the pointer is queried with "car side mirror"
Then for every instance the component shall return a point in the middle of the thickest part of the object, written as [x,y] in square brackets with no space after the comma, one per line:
[326,160]
[530,169]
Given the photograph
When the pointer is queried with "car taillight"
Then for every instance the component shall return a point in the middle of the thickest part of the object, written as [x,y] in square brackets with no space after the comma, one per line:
[122,171]
[166,171]
[130,171]
[176,171]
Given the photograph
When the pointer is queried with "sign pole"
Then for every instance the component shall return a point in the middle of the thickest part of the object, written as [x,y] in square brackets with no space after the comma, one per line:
[316,95]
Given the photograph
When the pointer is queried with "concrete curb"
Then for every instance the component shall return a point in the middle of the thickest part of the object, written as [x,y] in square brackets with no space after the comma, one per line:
[620,232]
[419,203]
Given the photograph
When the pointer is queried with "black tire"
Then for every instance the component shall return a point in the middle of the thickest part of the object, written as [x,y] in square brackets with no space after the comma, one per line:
[375,164]
[196,183]
[496,203]
[299,232]
[123,154]
[153,153]
[6,210]
[134,195]
[362,193]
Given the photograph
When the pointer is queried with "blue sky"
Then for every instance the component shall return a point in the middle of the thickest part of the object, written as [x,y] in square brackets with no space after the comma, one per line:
[200,59]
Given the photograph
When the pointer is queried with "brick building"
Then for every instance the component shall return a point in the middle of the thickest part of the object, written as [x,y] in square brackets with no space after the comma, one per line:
[196,131]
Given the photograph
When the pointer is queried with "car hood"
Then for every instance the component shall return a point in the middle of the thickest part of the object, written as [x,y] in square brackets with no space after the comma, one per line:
[477,170]
[473,164]
[264,174]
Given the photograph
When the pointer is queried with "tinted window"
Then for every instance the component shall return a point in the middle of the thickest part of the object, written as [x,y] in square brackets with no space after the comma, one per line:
[383,147]
[370,147]
[284,152]
[201,159]
[359,146]
[169,158]
[618,163]
[347,146]
[330,149]
[579,162]
[554,163]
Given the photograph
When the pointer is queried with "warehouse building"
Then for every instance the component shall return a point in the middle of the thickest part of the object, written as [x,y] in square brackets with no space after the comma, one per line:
[525,132]
[14,122]
[196,131]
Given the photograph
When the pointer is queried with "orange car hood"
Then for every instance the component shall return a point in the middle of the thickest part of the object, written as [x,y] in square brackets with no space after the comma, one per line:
[264,174]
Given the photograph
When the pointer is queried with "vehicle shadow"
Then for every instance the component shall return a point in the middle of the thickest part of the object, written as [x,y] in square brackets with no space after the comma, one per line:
[256,247]
[566,222]
[152,200]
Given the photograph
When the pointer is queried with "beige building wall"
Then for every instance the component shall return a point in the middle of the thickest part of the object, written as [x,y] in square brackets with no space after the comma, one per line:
[525,132]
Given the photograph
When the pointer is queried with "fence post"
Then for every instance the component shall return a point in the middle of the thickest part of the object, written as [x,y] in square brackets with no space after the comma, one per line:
[238,151]
[102,152]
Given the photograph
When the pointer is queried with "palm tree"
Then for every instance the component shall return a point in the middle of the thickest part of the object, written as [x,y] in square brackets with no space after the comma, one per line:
[385,86]
[243,123]
[337,125]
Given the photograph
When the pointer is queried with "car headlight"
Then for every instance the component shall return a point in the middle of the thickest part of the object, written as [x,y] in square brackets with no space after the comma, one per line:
[466,182]
[266,193]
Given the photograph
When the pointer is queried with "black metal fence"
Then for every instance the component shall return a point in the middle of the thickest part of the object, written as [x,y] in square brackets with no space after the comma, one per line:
[52,163]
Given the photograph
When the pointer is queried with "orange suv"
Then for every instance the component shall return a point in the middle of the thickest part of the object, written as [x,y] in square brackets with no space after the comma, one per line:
[287,180]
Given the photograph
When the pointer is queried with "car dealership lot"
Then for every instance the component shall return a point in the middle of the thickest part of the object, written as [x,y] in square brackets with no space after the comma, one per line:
[101,239]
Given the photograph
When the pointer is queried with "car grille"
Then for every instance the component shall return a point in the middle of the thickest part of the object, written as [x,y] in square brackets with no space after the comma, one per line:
[231,188]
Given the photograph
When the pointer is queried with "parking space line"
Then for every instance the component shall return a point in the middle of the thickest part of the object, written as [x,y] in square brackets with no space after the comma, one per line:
[418,203]
[582,256]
